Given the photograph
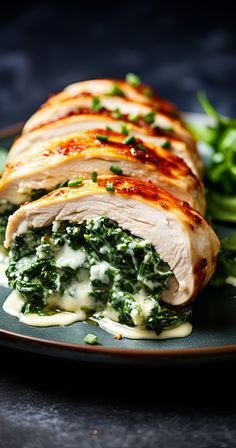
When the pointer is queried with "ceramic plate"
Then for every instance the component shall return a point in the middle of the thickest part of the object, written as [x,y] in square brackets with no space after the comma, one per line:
[214,327]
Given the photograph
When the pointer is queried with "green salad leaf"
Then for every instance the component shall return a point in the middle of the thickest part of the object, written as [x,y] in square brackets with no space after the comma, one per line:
[220,167]
[226,265]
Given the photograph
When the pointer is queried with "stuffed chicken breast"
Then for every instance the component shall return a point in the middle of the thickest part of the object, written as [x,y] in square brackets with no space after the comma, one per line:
[120,249]
[98,152]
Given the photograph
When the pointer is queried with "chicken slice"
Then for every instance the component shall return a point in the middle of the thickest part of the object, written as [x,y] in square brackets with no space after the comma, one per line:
[90,120]
[140,93]
[97,150]
[179,234]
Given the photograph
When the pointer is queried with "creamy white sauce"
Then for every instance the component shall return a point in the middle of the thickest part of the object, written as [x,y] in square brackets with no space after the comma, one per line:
[14,303]
[67,256]
[116,328]
[76,299]
[231,281]
[3,267]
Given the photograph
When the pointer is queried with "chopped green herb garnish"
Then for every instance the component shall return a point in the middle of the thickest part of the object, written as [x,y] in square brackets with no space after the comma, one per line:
[116,114]
[75,182]
[8,210]
[94,176]
[102,138]
[116,170]
[124,129]
[133,79]
[133,117]
[166,144]
[168,128]
[116,90]
[91,339]
[110,186]
[148,92]
[150,117]
[108,128]
[96,104]
[129,140]
[141,147]
[64,183]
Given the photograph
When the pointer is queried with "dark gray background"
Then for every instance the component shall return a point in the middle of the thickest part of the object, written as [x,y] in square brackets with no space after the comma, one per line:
[175,46]
[178,48]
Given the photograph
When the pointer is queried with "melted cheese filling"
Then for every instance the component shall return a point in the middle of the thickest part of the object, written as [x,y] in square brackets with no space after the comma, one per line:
[73,304]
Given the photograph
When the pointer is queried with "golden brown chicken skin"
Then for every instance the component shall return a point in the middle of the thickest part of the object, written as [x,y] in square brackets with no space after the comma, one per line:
[100,151]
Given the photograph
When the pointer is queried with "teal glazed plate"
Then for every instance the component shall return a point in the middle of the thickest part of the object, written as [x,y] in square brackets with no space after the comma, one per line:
[213,318]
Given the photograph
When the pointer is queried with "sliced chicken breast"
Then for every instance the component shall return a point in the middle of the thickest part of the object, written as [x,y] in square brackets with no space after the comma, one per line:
[100,151]
[140,93]
[179,234]
[93,120]
[53,112]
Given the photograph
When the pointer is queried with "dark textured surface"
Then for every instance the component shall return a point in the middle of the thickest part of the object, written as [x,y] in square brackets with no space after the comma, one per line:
[50,404]
[43,47]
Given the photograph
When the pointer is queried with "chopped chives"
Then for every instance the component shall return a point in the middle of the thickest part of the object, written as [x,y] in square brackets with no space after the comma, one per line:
[116,170]
[133,79]
[124,129]
[64,183]
[166,144]
[94,176]
[91,339]
[116,90]
[102,138]
[75,182]
[141,147]
[116,114]
[150,117]
[129,140]
[96,104]
[110,186]
[148,92]
[133,117]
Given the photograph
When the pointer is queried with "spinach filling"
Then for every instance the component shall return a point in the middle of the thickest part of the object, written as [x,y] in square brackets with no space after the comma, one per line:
[126,274]
[5,211]
[8,209]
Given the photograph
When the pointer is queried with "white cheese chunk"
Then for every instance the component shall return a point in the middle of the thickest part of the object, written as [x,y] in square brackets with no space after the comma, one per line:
[66,256]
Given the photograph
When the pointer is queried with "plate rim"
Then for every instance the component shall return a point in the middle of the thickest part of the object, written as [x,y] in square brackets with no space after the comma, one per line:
[118,351]
[14,129]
